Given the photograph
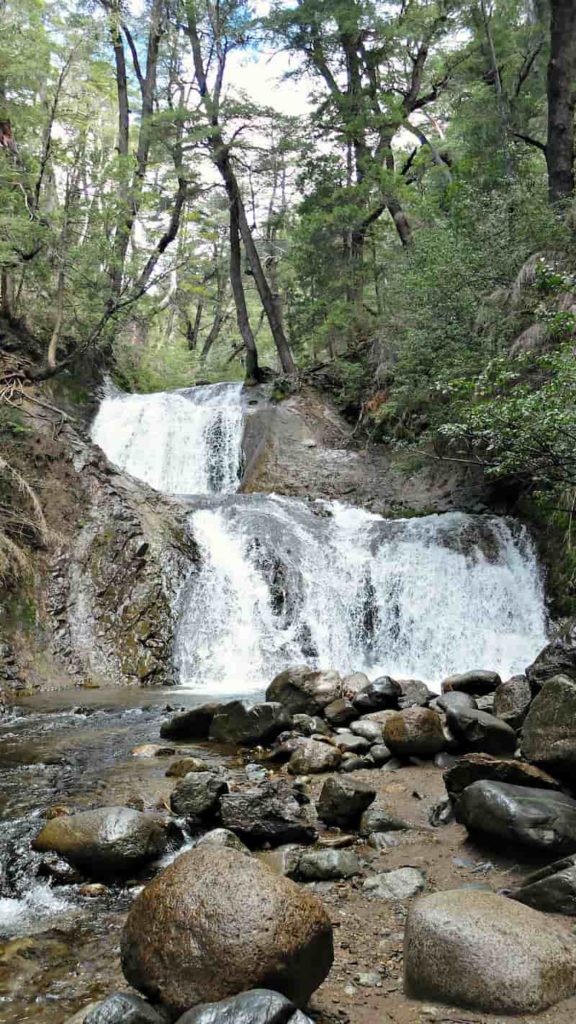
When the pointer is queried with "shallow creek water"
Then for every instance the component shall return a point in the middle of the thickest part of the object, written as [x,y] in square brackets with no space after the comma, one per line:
[59,948]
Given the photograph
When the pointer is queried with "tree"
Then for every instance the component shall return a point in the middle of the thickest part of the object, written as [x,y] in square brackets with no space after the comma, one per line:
[561,100]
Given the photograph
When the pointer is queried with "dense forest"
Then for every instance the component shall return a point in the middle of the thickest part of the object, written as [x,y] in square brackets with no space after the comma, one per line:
[410,237]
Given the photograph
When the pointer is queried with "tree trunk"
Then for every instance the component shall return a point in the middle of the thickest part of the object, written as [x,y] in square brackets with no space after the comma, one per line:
[193,329]
[267,298]
[252,370]
[55,338]
[561,100]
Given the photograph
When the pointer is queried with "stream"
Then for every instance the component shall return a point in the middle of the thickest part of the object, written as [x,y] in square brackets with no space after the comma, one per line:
[280,581]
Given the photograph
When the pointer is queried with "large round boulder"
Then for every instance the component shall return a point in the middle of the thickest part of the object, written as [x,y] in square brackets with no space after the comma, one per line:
[216,923]
[535,818]
[304,691]
[549,731]
[105,842]
[380,695]
[479,950]
[416,732]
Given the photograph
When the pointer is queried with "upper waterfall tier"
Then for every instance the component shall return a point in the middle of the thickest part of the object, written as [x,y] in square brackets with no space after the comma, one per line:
[285,582]
[180,442]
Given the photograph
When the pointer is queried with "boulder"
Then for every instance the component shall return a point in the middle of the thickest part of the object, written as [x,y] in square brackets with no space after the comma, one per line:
[482,951]
[380,717]
[123,1008]
[412,693]
[549,731]
[350,743]
[312,757]
[105,842]
[401,884]
[268,813]
[474,767]
[325,865]
[535,818]
[190,725]
[356,762]
[249,725]
[343,801]
[183,765]
[416,732]
[455,700]
[223,838]
[196,796]
[352,684]
[371,731]
[477,731]
[477,682]
[557,659]
[303,691]
[553,889]
[512,700]
[379,819]
[380,753]
[381,695]
[340,712]
[309,725]
[216,923]
[259,1006]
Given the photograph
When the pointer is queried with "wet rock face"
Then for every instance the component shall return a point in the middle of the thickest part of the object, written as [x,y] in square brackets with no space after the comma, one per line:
[249,725]
[124,573]
[415,732]
[304,692]
[216,923]
[268,813]
[535,818]
[549,731]
[105,843]
[475,767]
[343,801]
[557,659]
[479,950]
[259,1006]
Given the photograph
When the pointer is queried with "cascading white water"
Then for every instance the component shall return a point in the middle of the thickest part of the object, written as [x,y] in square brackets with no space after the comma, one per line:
[180,442]
[286,582]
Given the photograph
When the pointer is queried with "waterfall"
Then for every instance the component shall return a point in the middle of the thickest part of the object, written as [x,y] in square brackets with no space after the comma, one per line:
[180,442]
[284,581]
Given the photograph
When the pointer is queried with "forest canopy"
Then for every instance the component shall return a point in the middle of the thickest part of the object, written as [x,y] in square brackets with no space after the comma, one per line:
[408,238]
